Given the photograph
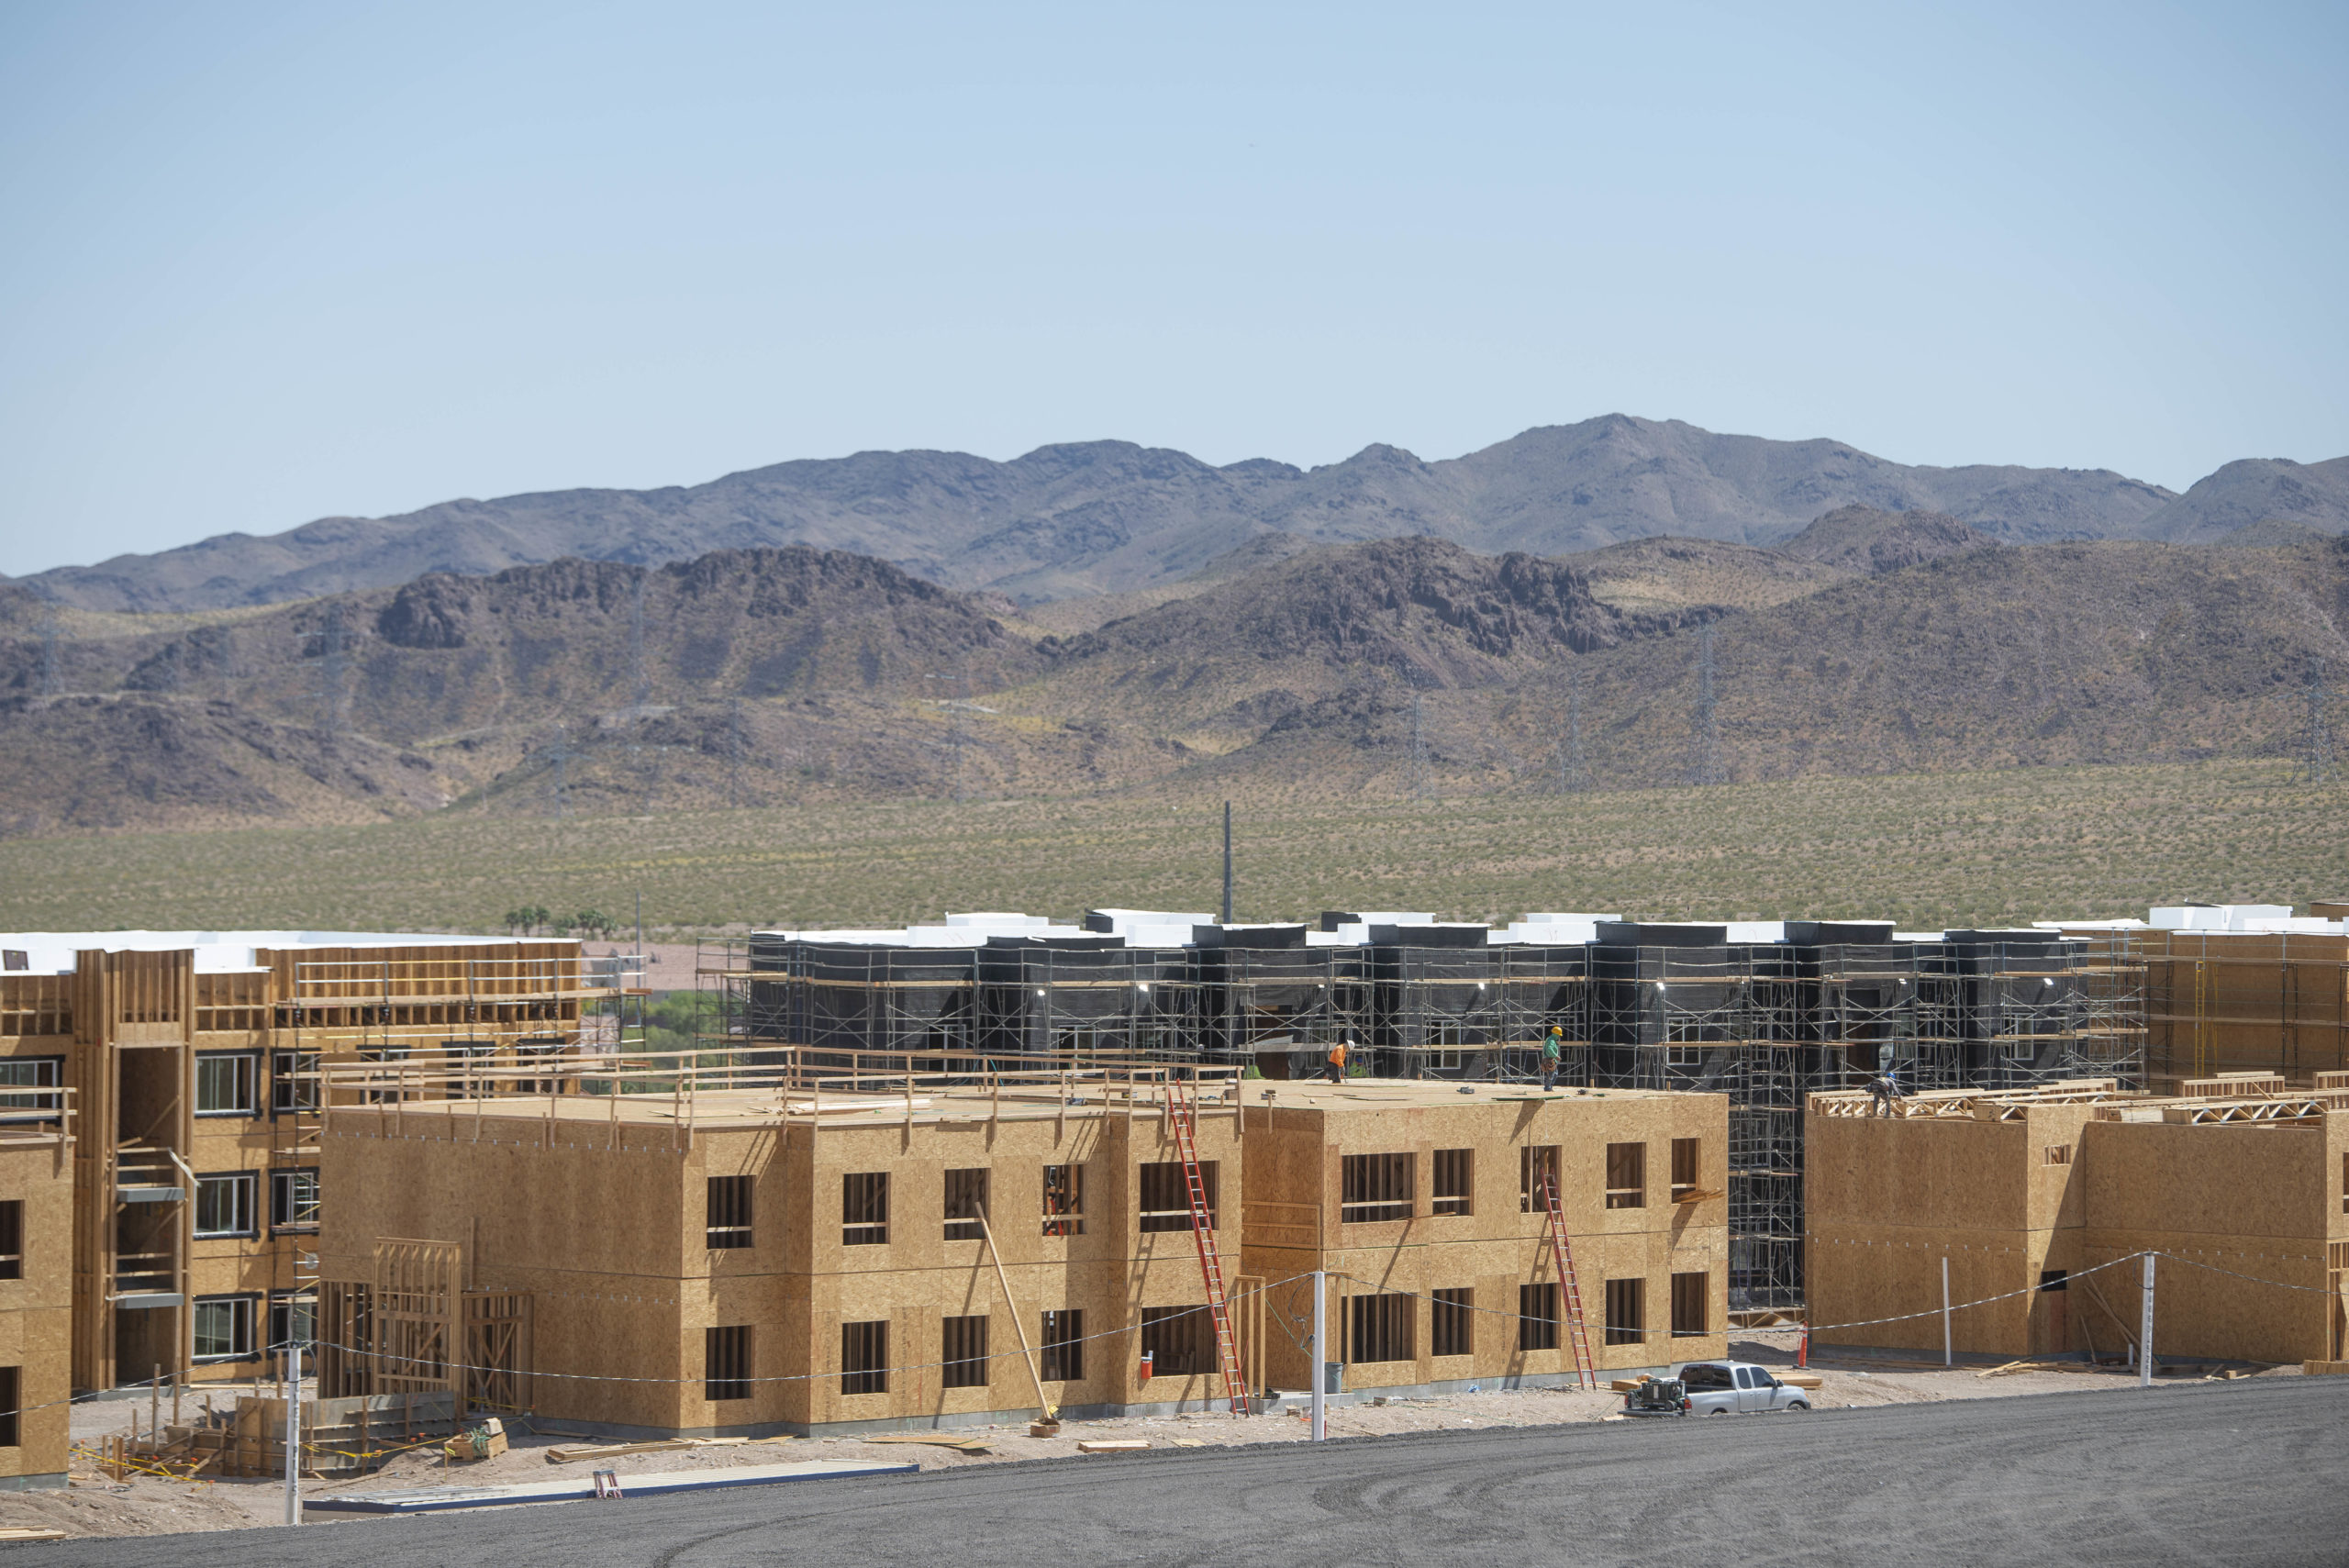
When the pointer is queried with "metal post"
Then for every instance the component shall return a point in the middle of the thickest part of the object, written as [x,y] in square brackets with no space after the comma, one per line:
[1321,1373]
[1947,1357]
[293,1427]
[2145,1329]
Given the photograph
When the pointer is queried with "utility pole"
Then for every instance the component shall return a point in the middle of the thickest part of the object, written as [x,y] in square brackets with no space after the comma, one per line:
[1227,862]
[293,1425]
[2145,1329]
[1705,736]
[1321,1362]
[2316,763]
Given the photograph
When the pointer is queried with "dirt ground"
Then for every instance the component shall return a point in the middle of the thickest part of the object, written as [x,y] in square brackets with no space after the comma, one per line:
[92,1505]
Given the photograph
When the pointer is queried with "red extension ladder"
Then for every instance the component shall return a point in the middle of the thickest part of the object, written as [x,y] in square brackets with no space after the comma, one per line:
[1184,1112]
[1569,1292]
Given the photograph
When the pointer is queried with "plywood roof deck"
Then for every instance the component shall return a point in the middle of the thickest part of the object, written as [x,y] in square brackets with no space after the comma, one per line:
[718,1108]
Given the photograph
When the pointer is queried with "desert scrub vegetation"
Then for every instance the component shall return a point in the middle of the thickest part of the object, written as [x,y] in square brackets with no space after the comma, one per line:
[1925,851]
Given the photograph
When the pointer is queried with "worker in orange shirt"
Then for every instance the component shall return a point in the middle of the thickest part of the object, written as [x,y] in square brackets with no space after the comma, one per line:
[1337,1068]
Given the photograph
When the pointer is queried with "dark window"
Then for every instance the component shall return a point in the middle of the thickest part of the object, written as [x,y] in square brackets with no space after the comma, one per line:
[2051,1279]
[1452,1323]
[1537,1317]
[864,1357]
[12,1238]
[1064,1200]
[1689,1313]
[1627,1175]
[224,1327]
[1375,1186]
[967,1203]
[294,1077]
[1381,1328]
[966,1353]
[1455,1177]
[20,1074]
[1166,1196]
[864,1208]
[1176,1338]
[1627,1307]
[10,1378]
[725,1362]
[224,1203]
[727,1212]
[1064,1346]
[294,1200]
[1686,1155]
[1703,1374]
[224,1083]
[1537,1171]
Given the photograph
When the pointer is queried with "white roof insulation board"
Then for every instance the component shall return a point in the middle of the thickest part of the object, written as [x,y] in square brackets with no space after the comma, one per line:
[217,952]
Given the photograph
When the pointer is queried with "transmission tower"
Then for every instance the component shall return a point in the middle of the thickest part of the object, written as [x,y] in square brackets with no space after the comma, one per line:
[334,703]
[2315,764]
[641,682]
[1571,776]
[53,680]
[1704,732]
[1418,751]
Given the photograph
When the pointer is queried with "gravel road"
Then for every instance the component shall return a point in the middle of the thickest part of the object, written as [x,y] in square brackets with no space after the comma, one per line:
[2246,1473]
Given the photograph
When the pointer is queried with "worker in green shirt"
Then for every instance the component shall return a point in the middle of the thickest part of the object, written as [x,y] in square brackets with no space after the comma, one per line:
[1554,1046]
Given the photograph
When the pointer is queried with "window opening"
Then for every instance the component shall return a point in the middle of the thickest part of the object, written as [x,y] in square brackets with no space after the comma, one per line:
[864,1208]
[1381,1328]
[1537,1166]
[864,1357]
[727,1212]
[1064,1200]
[1172,1338]
[1451,1318]
[966,1203]
[1627,1175]
[1456,1175]
[1374,1187]
[725,1362]
[294,1200]
[1537,1317]
[224,1083]
[1064,1339]
[1166,1197]
[1688,1155]
[1690,1311]
[1627,1305]
[224,1203]
[966,1354]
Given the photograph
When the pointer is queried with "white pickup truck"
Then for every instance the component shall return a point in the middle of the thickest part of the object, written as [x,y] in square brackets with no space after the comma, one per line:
[1723,1388]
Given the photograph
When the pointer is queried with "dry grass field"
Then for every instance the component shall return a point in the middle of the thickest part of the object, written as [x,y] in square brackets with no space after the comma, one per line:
[1930,851]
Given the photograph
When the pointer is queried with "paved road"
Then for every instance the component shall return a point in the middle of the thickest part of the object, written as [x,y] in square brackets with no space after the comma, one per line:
[2250,1473]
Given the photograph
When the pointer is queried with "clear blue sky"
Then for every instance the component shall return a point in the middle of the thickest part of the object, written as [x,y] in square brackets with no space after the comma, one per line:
[264,262]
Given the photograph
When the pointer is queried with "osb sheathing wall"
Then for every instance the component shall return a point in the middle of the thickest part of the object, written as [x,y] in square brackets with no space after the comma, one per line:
[611,1244]
[2261,1201]
[1295,1156]
[1889,1198]
[36,1312]
[2237,1001]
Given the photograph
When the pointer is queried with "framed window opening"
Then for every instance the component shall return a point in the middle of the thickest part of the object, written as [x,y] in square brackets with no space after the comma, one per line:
[1379,1329]
[1688,1161]
[1165,1201]
[725,1362]
[293,1321]
[1064,1200]
[963,1352]
[1627,1303]
[1175,1338]
[1627,1175]
[864,1357]
[32,1084]
[1537,1317]
[1455,1182]
[726,1217]
[1063,1342]
[1452,1323]
[967,1203]
[224,1327]
[864,1208]
[1537,1168]
[12,1238]
[294,1080]
[1375,1188]
[1691,1305]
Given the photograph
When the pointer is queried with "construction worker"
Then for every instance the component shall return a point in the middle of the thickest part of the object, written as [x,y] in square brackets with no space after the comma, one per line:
[1884,1088]
[1554,1046]
[1337,1066]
